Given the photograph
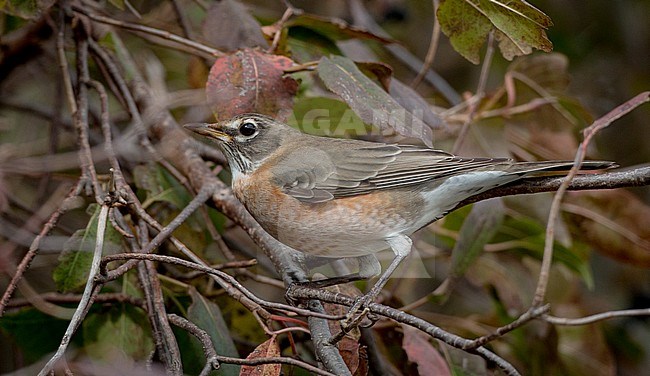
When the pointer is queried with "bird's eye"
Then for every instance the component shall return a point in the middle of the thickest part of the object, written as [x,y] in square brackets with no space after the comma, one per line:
[247,128]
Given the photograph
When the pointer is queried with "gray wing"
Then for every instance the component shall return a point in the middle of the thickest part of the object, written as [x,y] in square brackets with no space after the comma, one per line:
[318,174]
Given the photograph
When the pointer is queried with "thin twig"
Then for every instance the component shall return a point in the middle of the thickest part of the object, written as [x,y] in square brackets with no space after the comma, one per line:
[54,297]
[637,177]
[150,31]
[138,122]
[595,318]
[63,63]
[164,338]
[475,101]
[302,292]
[182,20]
[225,281]
[208,348]
[290,11]
[433,47]
[81,119]
[86,298]
[589,133]
[531,314]
[363,19]
[165,232]
[34,247]
[203,337]
[630,235]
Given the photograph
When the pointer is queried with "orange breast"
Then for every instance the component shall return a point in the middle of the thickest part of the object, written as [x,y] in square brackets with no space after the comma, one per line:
[342,227]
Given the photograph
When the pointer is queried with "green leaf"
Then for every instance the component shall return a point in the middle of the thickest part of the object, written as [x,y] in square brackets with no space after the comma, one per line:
[208,317]
[30,9]
[327,117]
[307,45]
[74,262]
[529,237]
[121,329]
[465,26]
[479,228]
[369,100]
[35,333]
[119,4]
[519,26]
[159,186]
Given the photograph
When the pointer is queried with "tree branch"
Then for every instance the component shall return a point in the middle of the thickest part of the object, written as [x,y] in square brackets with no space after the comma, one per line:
[636,177]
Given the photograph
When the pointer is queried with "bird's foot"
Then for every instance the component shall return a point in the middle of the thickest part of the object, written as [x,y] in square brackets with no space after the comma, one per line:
[359,315]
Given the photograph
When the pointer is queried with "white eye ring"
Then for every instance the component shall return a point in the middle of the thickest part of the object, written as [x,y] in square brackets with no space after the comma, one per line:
[247,128]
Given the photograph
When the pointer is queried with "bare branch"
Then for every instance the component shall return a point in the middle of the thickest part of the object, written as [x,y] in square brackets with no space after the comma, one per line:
[590,132]
[301,292]
[87,297]
[198,47]
[637,177]
[596,318]
[433,47]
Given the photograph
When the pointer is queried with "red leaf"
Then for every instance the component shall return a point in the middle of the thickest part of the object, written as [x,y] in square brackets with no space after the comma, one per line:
[420,351]
[267,349]
[250,81]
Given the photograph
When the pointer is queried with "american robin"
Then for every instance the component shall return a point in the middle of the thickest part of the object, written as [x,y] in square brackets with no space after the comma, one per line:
[349,198]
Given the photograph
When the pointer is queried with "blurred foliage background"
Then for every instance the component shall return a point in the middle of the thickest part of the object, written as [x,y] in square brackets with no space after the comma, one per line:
[607,47]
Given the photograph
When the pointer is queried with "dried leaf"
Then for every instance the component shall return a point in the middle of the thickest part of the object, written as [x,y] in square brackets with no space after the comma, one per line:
[197,72]
[381,71]
[616,222]
[228,26]
[420,351]
[550,71]
[250,81]
[519,26]
[267,349]
[369,101]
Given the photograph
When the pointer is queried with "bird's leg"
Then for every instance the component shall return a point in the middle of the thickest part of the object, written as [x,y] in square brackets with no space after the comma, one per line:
[401,246]
[332,281]
[369,267]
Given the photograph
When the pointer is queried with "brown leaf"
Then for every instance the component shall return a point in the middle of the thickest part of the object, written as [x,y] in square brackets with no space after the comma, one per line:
[550,71]
[335,28]
[381,71]
[267,349]
[197,72]
[228,26]
[616,222]
[420,351]
[250,81]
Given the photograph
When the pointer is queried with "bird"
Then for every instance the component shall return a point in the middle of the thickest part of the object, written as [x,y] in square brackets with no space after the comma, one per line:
[346,198]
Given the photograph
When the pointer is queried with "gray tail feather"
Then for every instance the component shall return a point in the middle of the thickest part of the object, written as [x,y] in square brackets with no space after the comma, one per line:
[552,167]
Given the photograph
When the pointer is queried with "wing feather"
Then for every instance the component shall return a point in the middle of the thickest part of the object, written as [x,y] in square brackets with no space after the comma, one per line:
[318,174]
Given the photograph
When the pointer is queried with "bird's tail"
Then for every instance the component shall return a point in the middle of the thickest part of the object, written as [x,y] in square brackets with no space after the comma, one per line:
[556,167]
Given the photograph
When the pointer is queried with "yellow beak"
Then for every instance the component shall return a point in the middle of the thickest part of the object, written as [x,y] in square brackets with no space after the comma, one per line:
[212,131]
